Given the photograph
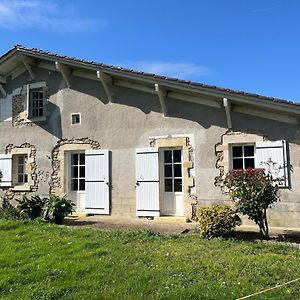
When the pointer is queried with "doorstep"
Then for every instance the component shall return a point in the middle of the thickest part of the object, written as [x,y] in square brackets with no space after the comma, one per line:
[171,219]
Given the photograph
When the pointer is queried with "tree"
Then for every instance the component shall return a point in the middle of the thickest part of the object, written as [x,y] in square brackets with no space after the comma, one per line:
[253,192]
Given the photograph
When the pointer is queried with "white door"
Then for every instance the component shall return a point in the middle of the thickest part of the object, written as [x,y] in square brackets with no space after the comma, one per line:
[97,182]
[172,182]
[76,179]
[147,182]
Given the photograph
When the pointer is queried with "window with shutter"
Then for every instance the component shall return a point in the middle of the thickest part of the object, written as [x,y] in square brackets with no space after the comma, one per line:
[273,157]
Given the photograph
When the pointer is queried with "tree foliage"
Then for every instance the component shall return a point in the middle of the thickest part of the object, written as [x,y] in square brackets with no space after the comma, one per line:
[253,192]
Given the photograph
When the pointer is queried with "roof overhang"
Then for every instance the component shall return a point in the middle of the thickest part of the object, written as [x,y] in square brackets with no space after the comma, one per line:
[242,102]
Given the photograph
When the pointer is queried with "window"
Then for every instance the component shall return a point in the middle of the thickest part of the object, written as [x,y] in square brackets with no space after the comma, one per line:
[173,170]
[37,103]
[243,157]
[22,176]
[75,118]
[77,171]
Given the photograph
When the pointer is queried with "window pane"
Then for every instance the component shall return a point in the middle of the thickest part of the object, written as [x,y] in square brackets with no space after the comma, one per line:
[82,172]
[248,150]
[168,185]
[74,172]
[74,185]
[20,169]
[177,185]
[249,163]
[25,178]
[177,155]
[168,170]
[168,156]
[20,178]
[74,159]
[82,158]
[21,159]
[177,170]
[238,163]
[81,184]
[237,151]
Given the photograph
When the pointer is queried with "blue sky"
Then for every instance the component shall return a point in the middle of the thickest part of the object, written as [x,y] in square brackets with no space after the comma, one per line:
[246,45]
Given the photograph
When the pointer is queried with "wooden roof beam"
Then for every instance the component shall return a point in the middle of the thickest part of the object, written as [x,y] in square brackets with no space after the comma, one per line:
[107,83]
[64,71]
[2,79]
[162,94]
[2,90]
[227,106]
[28,62]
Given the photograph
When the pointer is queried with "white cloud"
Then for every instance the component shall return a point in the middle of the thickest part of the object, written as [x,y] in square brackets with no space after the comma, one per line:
[44,15]
[183,70]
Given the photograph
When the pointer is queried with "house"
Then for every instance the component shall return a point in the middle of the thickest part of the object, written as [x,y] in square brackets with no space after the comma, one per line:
[118,141]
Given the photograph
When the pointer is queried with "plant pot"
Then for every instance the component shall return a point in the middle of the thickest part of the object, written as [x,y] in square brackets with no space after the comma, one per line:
[35,213]
[58,218]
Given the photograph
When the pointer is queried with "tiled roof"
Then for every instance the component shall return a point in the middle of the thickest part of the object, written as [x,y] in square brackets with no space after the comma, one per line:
[155,76]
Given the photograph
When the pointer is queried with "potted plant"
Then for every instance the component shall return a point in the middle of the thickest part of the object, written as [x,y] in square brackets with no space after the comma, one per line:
[57,208]
[32,207]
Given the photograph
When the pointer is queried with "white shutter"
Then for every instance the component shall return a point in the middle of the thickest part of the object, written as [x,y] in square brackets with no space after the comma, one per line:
[97,182]
[5,170]
[147,182]
[272,156]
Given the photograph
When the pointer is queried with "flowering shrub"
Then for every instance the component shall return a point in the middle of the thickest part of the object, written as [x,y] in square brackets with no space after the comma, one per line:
[253,192]
[217,220]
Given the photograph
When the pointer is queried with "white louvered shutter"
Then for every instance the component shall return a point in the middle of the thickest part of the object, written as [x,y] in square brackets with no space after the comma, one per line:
[97,182]
[147,182]
[272,156]
[5,170]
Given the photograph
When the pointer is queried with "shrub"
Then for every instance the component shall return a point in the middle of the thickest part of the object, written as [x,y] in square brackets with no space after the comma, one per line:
[57,208]
[253,192]
[32,207]
[10,213]
[217,220]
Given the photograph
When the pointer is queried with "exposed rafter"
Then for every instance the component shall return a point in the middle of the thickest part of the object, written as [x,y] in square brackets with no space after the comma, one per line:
[107,83]
[28,62]
[162,94]
[2,90]
[2,79]
[227,106]
[65,72]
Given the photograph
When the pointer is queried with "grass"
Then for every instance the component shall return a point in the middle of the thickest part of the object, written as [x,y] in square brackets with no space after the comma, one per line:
[44,261]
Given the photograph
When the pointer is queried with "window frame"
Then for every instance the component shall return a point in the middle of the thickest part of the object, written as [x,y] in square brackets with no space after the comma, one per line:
[74,114]
[243,156]
[23,165]
[78,177]
[172,164]
[38,102]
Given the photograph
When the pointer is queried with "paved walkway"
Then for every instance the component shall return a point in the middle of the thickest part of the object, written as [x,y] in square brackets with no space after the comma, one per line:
[121,222]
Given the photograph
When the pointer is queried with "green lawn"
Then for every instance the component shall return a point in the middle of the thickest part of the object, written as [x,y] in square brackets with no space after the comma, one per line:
[44,261]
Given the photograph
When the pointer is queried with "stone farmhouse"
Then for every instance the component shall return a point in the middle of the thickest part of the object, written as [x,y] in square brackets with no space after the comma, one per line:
[123,142]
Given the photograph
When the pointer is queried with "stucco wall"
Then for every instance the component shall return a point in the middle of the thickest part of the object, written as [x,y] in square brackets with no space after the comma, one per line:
[128,123]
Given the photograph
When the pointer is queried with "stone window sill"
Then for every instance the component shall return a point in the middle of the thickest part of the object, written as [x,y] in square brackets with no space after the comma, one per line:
[21,188]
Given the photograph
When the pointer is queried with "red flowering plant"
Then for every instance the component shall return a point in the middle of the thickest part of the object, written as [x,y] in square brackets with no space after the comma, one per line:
[253,193]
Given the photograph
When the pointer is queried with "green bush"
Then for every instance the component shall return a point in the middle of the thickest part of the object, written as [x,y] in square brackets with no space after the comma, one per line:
[57,208]
[217,220]
[10,213]
[32,207]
